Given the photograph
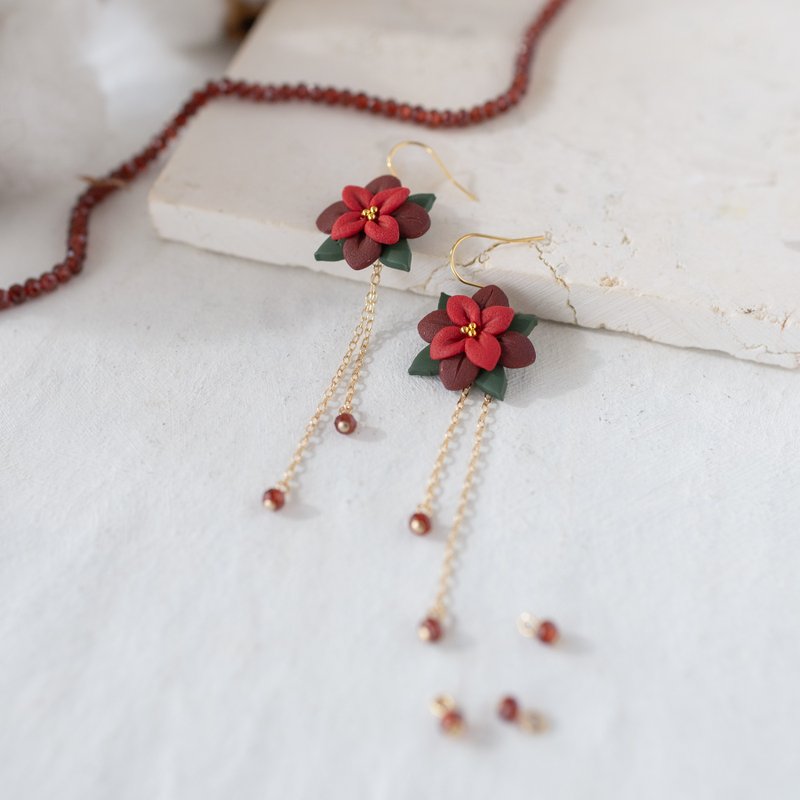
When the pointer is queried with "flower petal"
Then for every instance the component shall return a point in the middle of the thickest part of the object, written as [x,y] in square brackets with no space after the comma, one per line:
[390,200]
[496,319]
[383,182]
[490,296]
[349,224]
[361,252]
[356,198]
[447,342]
[483,351]
[432,323]
[462,310]
[457,372]
[384,229]
[326,219]
[517,350]
[413,220]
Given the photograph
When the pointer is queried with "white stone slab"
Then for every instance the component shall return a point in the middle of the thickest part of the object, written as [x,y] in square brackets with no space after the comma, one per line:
[658,148]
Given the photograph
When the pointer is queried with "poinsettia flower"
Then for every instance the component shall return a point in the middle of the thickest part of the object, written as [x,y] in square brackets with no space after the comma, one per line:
[471,334]
[370,217]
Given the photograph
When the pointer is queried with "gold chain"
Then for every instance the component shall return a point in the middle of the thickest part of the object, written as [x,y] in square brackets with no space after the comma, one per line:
[426,506]
[440,604]
[367,316]
[367,319]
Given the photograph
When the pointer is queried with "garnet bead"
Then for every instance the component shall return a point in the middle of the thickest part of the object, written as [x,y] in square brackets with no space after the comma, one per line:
[345,423]
[16,294]
[32,288]
[452,723]
[274,499]
[508,709]
[430,630]
[547,632]
[4,300]
[420,524]
[49,282]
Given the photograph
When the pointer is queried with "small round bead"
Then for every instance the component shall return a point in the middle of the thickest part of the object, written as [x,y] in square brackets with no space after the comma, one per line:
[32,288]
[547,632]
[420,524]
[16,294]
[274,499]
[508,709]
[361,101]
[62,272]
[345,423]
[452,723]
[430,630]
[5,302]
[48,282]
[404,112]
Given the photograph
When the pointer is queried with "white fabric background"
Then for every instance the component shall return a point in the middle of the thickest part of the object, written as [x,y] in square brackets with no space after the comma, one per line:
[162,636]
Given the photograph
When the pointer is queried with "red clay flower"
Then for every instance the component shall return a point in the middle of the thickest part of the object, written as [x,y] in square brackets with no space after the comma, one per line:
[472,334]
[367,218]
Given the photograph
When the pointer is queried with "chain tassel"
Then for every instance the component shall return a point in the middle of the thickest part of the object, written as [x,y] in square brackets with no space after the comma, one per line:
[432,627]
[275,497]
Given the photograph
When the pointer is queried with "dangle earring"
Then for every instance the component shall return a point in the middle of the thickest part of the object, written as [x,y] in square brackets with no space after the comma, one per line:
[471,343]
[370,226]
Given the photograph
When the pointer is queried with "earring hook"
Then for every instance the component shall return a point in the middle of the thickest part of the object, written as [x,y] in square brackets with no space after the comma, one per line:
[434,155]
[501,239]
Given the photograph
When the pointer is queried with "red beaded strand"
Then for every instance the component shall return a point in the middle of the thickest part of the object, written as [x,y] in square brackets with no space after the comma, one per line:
[102,188]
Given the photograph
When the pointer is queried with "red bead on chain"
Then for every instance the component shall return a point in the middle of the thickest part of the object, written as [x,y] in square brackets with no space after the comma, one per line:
[102,188]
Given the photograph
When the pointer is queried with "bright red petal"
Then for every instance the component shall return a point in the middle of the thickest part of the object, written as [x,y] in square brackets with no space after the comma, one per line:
[432,323]
[384,229]
[457,372]
[462,310]
[356,198]
[447,342]
[348,225]
[483,351]
[390,200]
[496,319]
[361,252]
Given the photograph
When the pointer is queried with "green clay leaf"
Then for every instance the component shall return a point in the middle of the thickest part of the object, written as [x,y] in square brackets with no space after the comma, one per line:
[423,364]
[330,250]
[493,383]
[424,200]
[523,323]
[443,298]
[397,256]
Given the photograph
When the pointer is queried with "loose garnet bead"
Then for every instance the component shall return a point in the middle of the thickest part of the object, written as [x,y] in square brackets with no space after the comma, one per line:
[420,524]
[452,723]
[16,294]
[508,709]
[345,423]
[32,288]
[274,499]
[48,282]
[547,632]
[430,630]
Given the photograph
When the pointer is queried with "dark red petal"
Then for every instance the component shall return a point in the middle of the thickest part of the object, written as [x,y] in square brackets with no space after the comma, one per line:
[413,220]
[383,182]
[432,323]
[384,229]
[482,350]
[496,319]
[389,200]
[361,252]
[490,296]
[457,372]
[326,219]
[356,198]
[462,310]
[448,342]
[516,350]
[349,224]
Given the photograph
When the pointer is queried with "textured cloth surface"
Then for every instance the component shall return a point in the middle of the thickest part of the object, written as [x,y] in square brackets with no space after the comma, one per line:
[162,636]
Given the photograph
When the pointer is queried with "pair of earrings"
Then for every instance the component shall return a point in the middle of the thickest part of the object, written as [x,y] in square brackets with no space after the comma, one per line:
[453,722]
[470,341]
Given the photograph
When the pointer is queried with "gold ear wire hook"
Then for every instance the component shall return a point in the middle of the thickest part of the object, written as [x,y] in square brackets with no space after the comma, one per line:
[501,239]
[434,155]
